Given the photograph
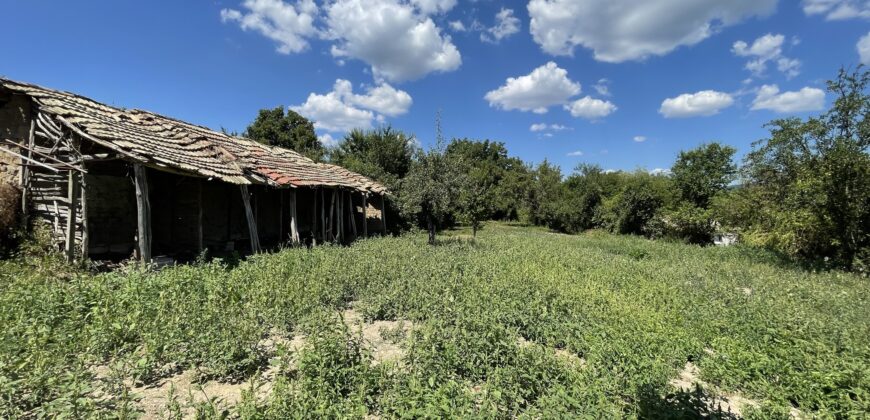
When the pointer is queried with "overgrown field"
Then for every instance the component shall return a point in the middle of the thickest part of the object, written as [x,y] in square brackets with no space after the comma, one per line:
[519,323]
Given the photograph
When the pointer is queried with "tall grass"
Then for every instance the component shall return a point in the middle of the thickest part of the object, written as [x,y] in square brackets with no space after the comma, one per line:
[634,310]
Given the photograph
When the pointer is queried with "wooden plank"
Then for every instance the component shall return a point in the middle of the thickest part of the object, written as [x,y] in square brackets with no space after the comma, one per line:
[384,214]
[294,226]
[25,173]
[143,211]
[85,233]
[199,240]
[340,214]
[72,194]
[365,215]
[322,217]
[252,223]
[352,213]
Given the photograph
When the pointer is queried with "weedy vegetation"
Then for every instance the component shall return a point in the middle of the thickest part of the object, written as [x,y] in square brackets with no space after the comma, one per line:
[519,322]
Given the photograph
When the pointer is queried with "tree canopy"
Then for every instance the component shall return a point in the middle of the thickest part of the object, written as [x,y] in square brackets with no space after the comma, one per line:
[288,130]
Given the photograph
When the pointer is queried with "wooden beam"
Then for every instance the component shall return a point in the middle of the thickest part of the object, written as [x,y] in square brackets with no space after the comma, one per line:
[294,223]
[331,218]
[384,214]
[200,246]
[143,210]
[339,214]
[365,215]
[322,217]
[85,233]
[72,196]
[252,223]
[25,172]
[314,218]
[352,214]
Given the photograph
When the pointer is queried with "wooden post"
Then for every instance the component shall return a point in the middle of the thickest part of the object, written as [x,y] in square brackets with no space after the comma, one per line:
[84,200]
[199,240]
[352,214]
[384,214]
[72,197]
[252,223]
[365,215]
[143,209]
[25,168]
[322,217]
[339,214]
[294,225]
[331,217]
[314,218]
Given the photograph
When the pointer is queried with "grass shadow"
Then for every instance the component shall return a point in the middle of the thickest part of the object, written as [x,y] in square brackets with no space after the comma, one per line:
[681,405]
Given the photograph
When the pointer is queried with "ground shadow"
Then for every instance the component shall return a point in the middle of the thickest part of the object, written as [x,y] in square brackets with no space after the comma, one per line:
[681,404]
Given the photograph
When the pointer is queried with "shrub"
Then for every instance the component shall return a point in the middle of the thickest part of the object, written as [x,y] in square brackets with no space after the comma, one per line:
[10,197]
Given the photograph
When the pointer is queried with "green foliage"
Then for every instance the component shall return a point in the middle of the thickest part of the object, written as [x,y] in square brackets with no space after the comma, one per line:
[520,323]
[290,131]
[384,154]
[701,173]
[812,179]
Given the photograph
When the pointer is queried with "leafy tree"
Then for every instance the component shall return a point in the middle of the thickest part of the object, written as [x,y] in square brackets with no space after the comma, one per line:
[701,173]
[813,179]
[384,154]
[290,131]
[475,198]
[488,165]
[430,191]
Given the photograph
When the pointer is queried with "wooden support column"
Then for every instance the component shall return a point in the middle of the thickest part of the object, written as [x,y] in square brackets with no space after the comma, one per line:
[331,218]
[72,202]
[322,217]
[384,214]
[252,223]
[339,216]
[143,210]
[199,240]
[352,212]
[365,215]
[294,223]
[84,200]
[314,218]
[25,168]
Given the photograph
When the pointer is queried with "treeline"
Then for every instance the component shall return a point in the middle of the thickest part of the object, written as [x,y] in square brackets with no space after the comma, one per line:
[803,191]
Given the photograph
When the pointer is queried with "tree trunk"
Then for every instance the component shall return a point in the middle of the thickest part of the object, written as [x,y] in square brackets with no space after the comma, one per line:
[474,230]
[431,226]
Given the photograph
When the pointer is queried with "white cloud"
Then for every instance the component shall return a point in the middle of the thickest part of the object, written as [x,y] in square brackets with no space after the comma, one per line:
[457,26]
[342,110]
[548,127]
[506,24]
[431,7]
[838,9]
[806,99]
[660,172]
[590,108]
[863,47]
[766,48]
[544,87]
[575,153]
[287,24]
[398,43]
[700,104]
[639,139]
[602,87]
[620,30]
[327,141]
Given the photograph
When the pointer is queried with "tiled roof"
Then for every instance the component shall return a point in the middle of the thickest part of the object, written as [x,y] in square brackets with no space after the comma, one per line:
[161,141]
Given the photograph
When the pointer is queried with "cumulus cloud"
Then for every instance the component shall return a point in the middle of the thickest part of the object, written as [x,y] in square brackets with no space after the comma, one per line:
[506,24]
[602,87]
[660,172]
[342,110]
[430,7]
[766,48]
[287,24]
[838,9]
[806,99]
[398,43]
[544,87]
[575,153]
[639,139]
[590,108]
[863,47]
[327,141]
[621,30]
[457,26]
[700,104]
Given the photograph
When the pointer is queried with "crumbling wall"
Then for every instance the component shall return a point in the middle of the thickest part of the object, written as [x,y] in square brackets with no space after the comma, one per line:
[15,112]
[111,207]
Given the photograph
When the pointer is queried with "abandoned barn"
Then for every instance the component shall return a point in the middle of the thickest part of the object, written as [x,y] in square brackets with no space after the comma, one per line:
[113,183]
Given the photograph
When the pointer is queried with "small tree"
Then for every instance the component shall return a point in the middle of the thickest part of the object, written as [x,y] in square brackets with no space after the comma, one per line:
[290,131]
[475,199]
[431,190]
[703,172]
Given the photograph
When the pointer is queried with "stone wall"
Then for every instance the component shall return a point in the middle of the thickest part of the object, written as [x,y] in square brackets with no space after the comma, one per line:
[15,125]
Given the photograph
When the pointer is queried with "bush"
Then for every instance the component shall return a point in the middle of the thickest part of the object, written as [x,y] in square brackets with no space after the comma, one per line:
[687,222]
[10,197]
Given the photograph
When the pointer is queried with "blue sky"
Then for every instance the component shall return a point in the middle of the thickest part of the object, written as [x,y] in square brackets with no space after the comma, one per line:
[620,83]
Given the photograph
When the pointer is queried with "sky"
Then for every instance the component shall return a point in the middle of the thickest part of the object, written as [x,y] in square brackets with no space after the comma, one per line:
[624,84]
